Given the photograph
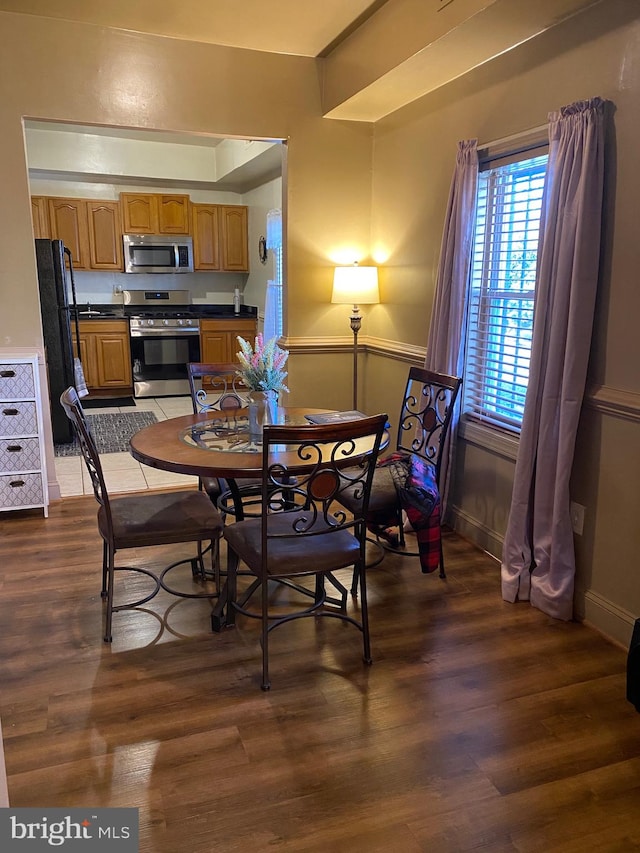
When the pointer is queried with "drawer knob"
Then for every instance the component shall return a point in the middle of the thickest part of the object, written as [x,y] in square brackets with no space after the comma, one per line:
[7,374]
[9,411]
[14,448]
[16,483]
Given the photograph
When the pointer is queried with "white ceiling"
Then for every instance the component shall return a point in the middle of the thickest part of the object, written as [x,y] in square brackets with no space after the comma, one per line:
[298,27]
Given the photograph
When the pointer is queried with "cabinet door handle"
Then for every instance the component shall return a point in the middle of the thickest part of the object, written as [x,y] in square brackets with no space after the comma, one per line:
[7,374]
[14,448]
[9,411]
[16,483]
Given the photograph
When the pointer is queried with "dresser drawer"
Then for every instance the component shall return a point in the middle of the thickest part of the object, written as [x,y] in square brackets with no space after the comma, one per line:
[18,419]
[21,490]
[21,454]
[16,382]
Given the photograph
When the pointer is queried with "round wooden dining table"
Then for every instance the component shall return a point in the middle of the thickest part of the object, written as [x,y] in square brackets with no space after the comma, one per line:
[211,444]
[218,444]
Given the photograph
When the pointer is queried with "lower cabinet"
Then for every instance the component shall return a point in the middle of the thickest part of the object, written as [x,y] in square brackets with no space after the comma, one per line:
[106,355]
[219,338]
[23,480]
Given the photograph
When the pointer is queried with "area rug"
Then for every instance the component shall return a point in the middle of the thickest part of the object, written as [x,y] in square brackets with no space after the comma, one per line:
[107,402]
[111,432]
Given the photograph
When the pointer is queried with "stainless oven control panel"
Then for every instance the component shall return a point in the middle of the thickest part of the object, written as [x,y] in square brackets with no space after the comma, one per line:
[138,325]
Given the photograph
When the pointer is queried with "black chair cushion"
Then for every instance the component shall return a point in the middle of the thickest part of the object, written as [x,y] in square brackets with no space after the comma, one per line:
[161,518]
[298,555]
[211,485]
[382,501]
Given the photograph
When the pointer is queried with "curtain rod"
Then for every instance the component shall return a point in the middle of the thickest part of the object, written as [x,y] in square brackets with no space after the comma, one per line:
[532,131]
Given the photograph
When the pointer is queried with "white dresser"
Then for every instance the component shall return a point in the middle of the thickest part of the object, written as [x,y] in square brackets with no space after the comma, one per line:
[23,480]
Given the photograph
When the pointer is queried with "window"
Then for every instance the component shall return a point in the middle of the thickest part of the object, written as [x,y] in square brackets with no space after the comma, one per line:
[273,325]
[502,290]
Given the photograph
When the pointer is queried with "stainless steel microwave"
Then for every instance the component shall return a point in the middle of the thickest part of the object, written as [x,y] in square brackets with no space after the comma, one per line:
[146,253]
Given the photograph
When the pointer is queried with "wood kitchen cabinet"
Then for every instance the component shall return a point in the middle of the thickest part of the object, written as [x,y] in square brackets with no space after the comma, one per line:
[206,236]
[104,235]
[220,237]
[234,241]
[154,213]
[40,217]
[218,338]
[68,222]
[89,228]
[106,355]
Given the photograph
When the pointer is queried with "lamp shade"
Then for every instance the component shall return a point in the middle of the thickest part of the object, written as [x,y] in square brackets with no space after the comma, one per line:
[355,285]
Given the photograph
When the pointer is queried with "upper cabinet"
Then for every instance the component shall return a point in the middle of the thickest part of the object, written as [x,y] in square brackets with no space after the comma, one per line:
[68,222]
[105,236]
[206,236]
[153,213]
[89,228]
[234,241]
[92,229]
[220,240]
[40,216]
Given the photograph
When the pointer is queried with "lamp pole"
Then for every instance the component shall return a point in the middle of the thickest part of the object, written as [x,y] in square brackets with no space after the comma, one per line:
[355,286]
[356,322]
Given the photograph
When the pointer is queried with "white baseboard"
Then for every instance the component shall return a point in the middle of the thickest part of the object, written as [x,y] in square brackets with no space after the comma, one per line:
[481,535]
[598,613]
[608,619]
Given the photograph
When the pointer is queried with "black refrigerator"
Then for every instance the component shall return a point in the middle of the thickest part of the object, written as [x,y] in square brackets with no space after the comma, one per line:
[58,307]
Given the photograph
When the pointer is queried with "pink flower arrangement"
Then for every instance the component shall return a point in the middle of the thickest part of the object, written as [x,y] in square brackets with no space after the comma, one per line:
[262,366]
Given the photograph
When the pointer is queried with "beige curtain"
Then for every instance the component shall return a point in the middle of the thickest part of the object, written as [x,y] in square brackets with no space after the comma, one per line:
[538,556]
[445,350]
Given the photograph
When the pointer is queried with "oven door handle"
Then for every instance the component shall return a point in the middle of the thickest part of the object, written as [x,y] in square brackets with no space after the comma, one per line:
[148,331]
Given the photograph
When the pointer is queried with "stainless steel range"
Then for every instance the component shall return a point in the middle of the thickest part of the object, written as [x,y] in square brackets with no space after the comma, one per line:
[165,336]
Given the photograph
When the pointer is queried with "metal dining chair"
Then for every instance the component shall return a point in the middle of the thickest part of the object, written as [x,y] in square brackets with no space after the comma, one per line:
[217,387]
[409,479]
[303,530]
[144,520]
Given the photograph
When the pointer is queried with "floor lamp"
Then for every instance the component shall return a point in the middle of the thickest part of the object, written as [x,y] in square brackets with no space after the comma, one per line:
[357,286]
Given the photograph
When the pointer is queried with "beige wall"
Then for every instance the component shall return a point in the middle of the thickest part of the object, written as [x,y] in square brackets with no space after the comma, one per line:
[371,191]
[85,74]
[595,54]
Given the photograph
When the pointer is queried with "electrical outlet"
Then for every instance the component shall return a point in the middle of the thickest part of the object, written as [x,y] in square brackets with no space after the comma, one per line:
[577,518]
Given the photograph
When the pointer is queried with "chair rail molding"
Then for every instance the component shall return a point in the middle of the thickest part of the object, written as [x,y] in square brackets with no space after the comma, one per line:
[366,343]
[614,402]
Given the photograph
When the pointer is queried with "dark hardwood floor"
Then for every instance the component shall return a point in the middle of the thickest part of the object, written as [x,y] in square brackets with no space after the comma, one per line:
[480,726]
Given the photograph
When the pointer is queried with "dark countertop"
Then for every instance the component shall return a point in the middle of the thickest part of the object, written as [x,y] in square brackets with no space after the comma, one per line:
[92,311]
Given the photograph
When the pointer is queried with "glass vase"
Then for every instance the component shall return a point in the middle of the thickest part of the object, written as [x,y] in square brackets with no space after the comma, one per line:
[262,410]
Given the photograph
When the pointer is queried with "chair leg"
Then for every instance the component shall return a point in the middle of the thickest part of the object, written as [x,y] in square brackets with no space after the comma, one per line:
[266,684]
[215,562]
[103,591]
[109,611]
[400,522]
[442,573]
[364,610]
[354,580]
[232,586]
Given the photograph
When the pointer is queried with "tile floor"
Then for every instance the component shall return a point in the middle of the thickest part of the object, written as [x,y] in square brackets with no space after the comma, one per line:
[122,472]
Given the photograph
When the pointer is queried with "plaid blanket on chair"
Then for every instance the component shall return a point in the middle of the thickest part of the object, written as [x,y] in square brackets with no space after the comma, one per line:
[420,499]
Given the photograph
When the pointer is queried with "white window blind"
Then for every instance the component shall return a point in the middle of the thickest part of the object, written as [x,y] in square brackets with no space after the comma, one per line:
[502,291]
[273,309]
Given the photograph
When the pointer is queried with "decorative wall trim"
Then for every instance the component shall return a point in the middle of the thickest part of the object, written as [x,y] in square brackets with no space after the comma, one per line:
[614,402]
[609,401]
[366,343]
[607,618]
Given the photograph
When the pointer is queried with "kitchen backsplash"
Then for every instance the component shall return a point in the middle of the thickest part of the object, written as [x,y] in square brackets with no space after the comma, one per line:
[205,288]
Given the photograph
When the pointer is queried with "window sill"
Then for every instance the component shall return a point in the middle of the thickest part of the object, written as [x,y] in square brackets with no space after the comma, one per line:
[490,439]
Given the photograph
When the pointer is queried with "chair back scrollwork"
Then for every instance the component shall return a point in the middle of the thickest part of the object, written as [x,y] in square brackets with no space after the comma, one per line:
[426,413]
[216,387]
